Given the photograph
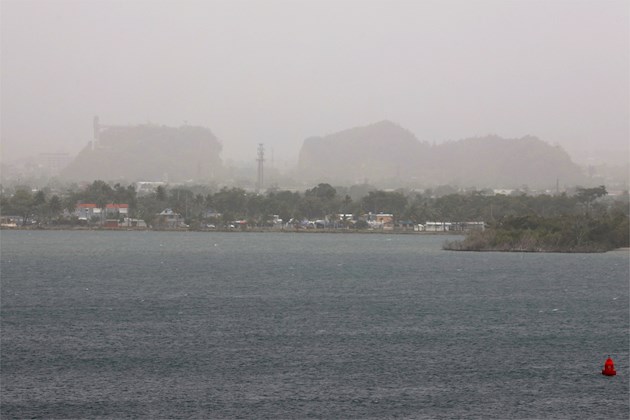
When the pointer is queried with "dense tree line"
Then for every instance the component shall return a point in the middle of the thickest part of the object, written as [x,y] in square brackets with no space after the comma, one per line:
[584,224]
[590,208]
[571,233]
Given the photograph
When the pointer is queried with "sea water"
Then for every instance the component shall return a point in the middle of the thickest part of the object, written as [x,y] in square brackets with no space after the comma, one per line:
[285,325]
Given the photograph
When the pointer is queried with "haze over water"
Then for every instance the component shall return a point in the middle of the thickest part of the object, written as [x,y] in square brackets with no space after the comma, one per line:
[226,325]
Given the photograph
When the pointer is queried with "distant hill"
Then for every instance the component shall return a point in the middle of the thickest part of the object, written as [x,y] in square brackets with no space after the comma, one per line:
[379,151]
[149,152]
[387,153]
[498,162]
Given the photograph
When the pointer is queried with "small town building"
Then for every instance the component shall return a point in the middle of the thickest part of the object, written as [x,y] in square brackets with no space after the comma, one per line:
[137,223]
[405,225]
[383,221]
[450,226]
[167,218]
[11,221]
[111,223]
[437,226]
[85,211]
[89,211]
[116,210]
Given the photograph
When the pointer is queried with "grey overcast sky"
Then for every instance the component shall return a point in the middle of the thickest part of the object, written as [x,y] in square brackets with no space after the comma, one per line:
[280,71]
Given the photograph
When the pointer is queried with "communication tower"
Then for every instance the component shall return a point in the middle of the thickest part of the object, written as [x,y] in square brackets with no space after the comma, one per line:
[260,160]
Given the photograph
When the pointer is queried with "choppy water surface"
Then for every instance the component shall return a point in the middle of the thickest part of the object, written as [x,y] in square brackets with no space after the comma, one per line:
[239,325]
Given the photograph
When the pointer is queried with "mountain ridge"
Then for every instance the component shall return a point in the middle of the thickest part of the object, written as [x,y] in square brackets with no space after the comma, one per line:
[383,153]
[489,161]
[149,152]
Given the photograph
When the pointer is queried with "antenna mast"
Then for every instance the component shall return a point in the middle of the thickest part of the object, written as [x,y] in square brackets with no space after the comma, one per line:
[260,160]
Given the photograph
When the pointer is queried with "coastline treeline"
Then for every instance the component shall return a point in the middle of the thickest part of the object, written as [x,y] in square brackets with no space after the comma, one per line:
[590,227]
[572,233]
[584,219]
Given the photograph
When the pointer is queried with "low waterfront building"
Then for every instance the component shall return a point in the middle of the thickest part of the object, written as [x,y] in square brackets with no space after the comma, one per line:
[168,218]
[450,226]
[116,210]
[86,211]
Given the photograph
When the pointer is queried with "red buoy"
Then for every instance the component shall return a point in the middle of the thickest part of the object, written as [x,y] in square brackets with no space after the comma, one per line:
[609,368]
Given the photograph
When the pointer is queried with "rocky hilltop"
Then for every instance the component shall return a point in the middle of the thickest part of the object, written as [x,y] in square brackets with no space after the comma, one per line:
[149,152]
[379,151]
[389,154]
[498,162]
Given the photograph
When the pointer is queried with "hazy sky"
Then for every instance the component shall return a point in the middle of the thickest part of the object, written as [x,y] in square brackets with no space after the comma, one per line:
[280,71]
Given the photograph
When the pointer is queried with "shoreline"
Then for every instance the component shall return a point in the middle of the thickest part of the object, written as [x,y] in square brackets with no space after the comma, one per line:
[251,230]
[539,250]
[314,231]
